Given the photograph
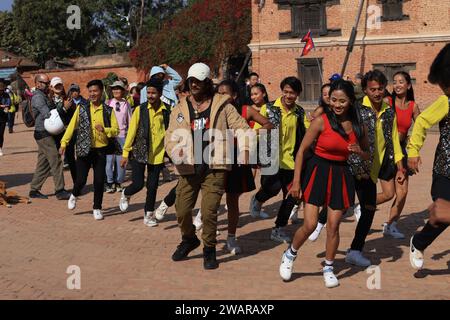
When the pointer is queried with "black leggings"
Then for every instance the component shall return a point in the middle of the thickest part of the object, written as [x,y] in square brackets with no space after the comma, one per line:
[96,159]
[271,186]
[367,195]
[2,132]
[138,176]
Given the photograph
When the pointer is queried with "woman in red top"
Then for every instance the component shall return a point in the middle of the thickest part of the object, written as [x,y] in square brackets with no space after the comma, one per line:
[407,110]
[326,179]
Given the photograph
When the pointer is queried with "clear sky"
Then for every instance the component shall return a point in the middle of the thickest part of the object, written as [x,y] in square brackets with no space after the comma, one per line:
[6,5]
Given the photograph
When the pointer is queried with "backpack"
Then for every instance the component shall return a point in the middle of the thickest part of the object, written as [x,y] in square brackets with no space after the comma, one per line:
[27,113]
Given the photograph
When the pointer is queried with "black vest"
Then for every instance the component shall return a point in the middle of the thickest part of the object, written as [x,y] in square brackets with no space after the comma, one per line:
[142,141]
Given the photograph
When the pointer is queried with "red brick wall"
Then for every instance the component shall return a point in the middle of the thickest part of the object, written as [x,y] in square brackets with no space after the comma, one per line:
[275,59]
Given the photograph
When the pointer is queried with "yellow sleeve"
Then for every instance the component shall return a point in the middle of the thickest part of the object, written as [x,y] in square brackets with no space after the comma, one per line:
[306,121]
[113,131]
[428,118]
[131,134]
[398,153]
[70,129]
[262,112]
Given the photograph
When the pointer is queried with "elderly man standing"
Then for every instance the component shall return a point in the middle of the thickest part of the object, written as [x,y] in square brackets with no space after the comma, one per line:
[49,161]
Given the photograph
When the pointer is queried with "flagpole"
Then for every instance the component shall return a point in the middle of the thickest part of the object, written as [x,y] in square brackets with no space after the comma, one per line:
[352,39]
[320,69]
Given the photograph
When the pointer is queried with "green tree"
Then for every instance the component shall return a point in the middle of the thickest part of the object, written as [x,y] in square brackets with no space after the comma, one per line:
[10,38]
[43,26]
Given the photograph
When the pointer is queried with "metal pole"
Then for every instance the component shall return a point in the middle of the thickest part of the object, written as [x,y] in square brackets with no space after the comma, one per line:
[352,39]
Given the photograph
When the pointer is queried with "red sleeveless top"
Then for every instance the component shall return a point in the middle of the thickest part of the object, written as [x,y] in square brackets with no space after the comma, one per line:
[244,115]
[331,145]
[404,118]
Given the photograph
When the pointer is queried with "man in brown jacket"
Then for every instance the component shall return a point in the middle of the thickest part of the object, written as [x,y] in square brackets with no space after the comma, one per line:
[196,140]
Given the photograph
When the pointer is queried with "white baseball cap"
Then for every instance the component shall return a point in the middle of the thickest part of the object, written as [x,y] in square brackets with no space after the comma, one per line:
[55,81]
[199,71]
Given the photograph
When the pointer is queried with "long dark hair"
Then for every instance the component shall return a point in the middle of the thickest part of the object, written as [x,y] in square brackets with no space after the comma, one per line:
[353,113]
[409,93]
[321,101]
[263,89]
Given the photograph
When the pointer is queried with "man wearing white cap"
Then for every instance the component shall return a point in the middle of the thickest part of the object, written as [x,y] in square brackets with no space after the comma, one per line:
[169,95]
[202,114]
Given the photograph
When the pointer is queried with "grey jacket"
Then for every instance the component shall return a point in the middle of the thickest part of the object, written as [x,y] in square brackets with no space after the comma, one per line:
[41,105]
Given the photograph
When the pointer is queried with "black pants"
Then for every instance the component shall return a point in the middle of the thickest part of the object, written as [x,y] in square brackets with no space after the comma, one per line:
[427,235]
[171,197]
[69,158]
[96,159]
[366,190]
[138,175]
[271,186]
[11,119]
[2,132]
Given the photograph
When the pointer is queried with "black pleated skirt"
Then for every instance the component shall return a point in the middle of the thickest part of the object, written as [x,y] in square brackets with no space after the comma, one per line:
[328,183]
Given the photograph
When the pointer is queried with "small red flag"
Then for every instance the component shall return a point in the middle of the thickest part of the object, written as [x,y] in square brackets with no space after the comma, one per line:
[309,44]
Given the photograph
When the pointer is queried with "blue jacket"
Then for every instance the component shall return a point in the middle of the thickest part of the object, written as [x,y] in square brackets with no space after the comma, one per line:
[169,95]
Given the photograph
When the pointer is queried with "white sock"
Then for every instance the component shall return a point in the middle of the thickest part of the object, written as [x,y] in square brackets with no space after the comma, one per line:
[329,263]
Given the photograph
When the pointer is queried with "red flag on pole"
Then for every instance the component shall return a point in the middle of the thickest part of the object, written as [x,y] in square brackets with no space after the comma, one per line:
[309,44]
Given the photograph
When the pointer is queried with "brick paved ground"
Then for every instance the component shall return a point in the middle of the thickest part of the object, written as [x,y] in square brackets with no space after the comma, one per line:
[120,258]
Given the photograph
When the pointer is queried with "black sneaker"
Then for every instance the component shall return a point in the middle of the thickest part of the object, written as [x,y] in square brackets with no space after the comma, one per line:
[110,188]
[186,246]
[62,195]
[209,258]
[37,195]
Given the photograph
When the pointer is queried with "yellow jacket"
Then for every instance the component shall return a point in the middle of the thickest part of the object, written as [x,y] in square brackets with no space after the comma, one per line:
[98,139]
[430,117]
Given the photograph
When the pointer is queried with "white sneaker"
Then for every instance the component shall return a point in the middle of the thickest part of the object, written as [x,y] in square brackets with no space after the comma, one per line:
[1,152]
[150,220]
[198,220]
[330,279]
[357,212]
[391,230]
[279,235]
[316,233]
[161,211]
[286,266]
[97,214]
[72,202]
[124,202]
[294,215]
[355,257]
[415,256]
[232,246]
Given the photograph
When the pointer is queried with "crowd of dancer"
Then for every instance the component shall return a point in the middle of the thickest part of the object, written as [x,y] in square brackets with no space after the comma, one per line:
[357,137]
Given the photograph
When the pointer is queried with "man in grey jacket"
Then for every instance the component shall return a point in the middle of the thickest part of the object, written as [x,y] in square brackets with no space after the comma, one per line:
[49,161]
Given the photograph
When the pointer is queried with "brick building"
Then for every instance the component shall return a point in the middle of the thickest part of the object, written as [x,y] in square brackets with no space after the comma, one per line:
[392,35]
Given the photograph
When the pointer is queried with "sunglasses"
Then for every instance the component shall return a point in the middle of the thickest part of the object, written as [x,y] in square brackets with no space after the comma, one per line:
[117,106]
[46,83]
